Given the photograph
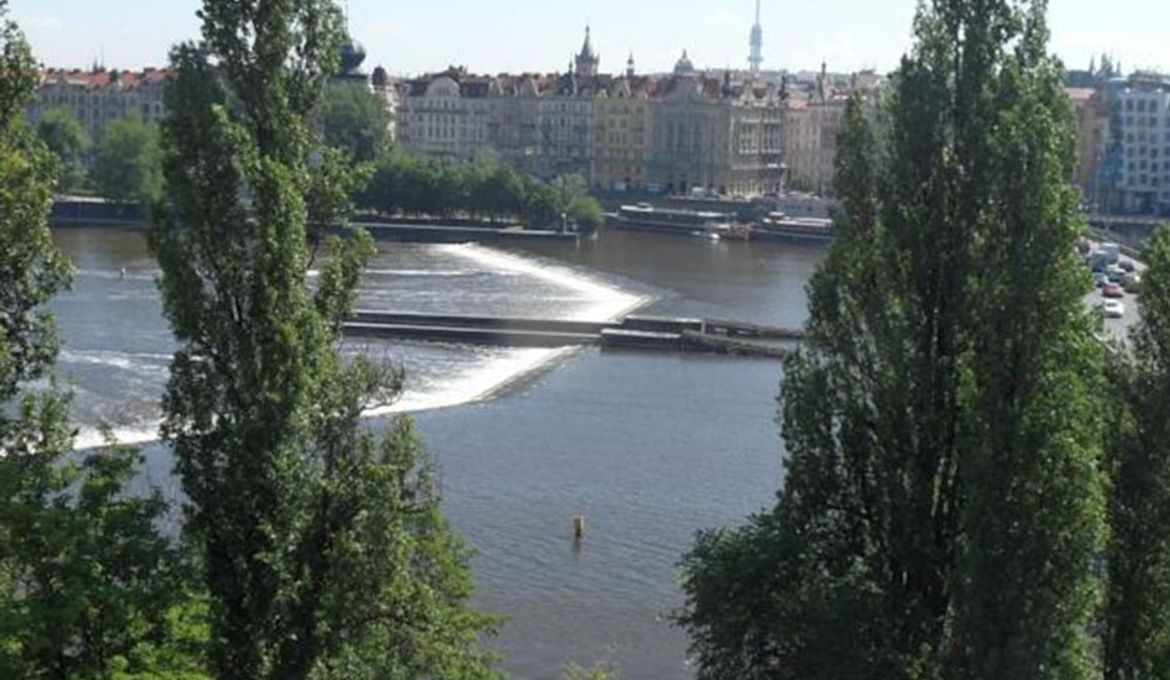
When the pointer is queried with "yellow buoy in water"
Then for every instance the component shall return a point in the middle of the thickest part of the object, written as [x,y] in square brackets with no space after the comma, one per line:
[579,526]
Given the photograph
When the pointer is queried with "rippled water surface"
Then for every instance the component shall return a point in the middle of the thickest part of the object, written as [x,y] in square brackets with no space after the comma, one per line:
[651,448]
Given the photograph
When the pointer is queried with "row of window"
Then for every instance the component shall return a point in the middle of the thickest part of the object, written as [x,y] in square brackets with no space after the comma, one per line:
[1144,122]
[1150,104]
[1143,181]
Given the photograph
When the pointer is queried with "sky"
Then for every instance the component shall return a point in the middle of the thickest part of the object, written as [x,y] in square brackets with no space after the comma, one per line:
[493,36]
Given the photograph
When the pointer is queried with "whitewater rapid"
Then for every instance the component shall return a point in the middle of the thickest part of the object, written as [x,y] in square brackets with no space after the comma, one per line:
[599,300]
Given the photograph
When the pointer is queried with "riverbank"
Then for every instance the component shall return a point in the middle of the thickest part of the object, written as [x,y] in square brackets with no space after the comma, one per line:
[90,213]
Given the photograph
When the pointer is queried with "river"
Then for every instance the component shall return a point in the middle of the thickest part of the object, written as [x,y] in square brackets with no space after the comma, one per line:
[651,448]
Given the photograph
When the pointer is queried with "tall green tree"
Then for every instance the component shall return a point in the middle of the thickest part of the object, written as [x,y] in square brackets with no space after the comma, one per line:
[128,162]
[943,501]
[86,581]
[60,130]
[324,549]
[1137,638]
[356,120]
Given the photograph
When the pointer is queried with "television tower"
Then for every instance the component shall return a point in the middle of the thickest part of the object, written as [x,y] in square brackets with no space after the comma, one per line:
[757,57]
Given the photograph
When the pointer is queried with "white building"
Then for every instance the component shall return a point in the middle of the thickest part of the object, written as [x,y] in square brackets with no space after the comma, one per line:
[1141,145]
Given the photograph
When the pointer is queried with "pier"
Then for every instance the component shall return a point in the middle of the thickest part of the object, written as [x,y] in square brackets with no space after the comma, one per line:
[646,333]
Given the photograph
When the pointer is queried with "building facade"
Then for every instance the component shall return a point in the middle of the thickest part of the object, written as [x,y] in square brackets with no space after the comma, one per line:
[681,133]
[1092,120]
[1134,174]
[623,134]
[99,97]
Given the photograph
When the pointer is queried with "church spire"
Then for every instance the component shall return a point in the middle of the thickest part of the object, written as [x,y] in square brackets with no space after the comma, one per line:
[587,60]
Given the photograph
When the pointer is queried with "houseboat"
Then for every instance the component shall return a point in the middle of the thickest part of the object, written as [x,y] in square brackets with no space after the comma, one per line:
[645,217]
[780,226]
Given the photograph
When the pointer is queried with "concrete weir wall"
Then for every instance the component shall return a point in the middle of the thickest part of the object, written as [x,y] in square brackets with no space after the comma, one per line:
[661,334]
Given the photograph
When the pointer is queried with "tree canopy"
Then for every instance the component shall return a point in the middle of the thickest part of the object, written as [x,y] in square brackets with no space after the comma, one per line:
[403,184]
[943,504]
[323,548]
[355,119]
[1137,620]
[86,581]
[128,163]
[60,130]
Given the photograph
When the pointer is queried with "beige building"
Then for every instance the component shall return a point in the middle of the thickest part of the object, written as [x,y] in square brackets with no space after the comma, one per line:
[622,140]
[811,143]
[812,125]
[716,137]
[444,117]
[99,97]
[678,134]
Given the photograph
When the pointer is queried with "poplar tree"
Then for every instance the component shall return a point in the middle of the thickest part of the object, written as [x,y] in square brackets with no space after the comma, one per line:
[1137,630]
[86,581]
[324,549]
[943,502]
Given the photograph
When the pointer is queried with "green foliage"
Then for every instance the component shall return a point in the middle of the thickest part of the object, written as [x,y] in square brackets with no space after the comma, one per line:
[323,549]
[61,132]
[1137,636]
[403,184]
[89,578]
[84,575]
[128,163]
[356,120]
[575,672]
[943,501]
[587,212]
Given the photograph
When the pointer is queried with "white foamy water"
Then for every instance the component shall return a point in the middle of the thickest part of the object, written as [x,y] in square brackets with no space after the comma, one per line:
[608,302]
[586,298]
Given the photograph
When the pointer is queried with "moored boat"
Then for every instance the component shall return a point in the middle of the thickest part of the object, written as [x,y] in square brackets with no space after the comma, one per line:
[645,217]
[781,226]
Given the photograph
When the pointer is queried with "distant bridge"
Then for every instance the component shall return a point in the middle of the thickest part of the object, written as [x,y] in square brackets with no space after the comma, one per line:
[653,333]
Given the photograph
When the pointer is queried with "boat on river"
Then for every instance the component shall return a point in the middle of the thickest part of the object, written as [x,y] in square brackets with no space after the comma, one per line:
[645,217]
[780,226]
[731,231]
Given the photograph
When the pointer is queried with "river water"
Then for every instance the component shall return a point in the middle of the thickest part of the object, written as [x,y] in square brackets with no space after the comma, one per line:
[651,448]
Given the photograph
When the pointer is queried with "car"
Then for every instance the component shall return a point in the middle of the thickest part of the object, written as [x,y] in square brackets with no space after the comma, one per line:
[1114,309]
[1116,274]
[1127,265]
[1100,279]
[1112,290]
[1132,283]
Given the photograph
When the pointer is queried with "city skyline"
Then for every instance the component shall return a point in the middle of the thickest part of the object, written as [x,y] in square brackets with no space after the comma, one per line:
[415,38]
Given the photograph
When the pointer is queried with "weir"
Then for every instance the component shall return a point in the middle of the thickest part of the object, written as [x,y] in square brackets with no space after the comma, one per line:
[651,333]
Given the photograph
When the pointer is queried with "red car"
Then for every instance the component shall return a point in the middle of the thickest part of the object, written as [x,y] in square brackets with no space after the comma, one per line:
[1113,290]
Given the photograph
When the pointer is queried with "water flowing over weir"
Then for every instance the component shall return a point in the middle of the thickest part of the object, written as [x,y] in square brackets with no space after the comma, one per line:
[650,447]
[117,345]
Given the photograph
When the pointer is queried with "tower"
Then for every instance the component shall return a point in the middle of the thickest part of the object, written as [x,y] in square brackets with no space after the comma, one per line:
[757,56]
[630,66]
[587,61]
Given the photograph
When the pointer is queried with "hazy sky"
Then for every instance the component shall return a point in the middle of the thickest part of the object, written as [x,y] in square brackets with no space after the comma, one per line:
[411,36]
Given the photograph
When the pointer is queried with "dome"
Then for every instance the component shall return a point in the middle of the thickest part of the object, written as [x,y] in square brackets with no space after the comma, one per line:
[352,56]
[380,77]
[684,65]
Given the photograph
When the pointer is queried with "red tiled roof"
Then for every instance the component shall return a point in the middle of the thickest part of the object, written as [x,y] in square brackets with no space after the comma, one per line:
[104,77]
